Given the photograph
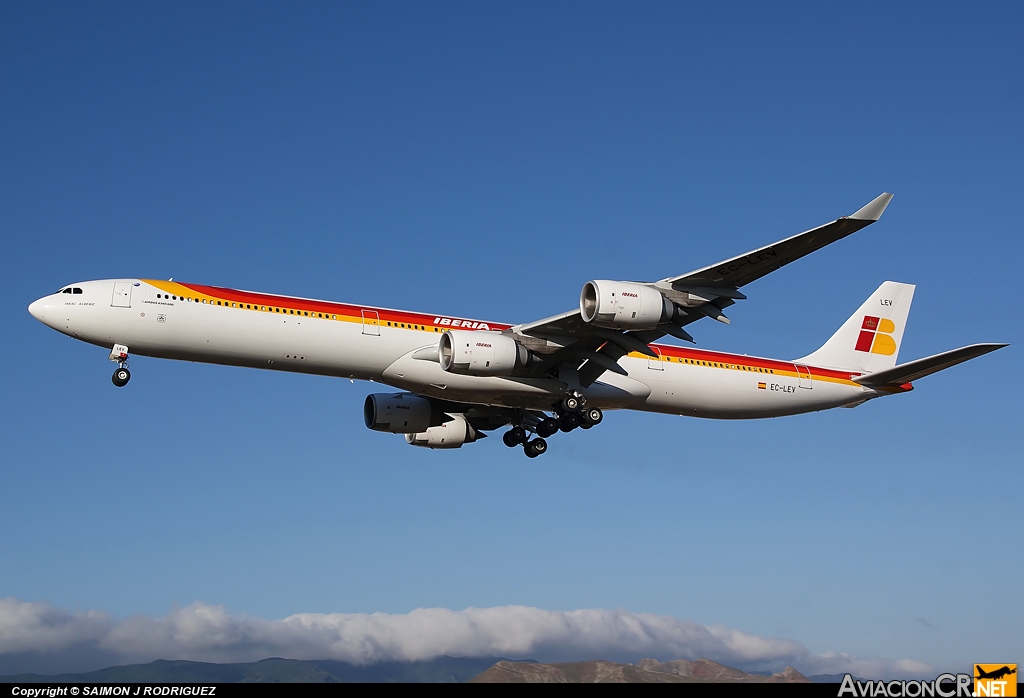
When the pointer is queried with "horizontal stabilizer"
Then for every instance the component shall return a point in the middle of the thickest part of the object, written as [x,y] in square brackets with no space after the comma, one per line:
[911,371]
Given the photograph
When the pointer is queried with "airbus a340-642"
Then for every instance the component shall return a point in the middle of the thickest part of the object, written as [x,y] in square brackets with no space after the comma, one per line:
[461,378]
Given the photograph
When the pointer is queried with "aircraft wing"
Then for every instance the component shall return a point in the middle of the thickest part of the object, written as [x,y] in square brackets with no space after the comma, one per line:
[741,270]
[913,370]
[701,293]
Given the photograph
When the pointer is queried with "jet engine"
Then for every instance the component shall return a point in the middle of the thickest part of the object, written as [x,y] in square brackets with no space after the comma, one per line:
[400,413]
[620,305]
[451,434]
[480,353]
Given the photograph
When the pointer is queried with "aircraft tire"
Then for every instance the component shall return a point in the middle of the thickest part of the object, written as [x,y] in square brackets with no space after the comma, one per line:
[592,416]
[570,403]
[517,434]
[535,448]
[121,377]
[508,439]
[547,427]
[569,422]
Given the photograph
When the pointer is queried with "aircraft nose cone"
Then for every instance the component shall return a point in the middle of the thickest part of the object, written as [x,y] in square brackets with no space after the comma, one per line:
[36,309]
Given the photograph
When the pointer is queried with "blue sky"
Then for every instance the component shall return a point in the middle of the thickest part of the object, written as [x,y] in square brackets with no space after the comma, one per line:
[485,160]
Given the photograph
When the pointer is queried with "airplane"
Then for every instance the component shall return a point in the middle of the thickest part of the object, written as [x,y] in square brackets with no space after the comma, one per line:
[996,674]
[460,378]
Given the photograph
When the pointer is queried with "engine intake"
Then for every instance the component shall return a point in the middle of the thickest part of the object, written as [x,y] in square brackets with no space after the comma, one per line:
[480,353]
[451,434]
[621,305]
[400,413]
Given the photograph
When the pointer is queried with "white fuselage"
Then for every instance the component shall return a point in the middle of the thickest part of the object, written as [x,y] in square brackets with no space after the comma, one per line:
[165,319]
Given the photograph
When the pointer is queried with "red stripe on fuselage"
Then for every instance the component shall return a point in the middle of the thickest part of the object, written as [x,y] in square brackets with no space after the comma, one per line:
[738,359]
[353,311]
[400,316]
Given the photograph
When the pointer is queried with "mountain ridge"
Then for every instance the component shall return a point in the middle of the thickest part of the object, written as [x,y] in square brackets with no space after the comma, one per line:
[644,671]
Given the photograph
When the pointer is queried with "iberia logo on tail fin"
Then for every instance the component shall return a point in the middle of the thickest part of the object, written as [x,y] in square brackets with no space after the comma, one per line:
[869,340]
[876,336]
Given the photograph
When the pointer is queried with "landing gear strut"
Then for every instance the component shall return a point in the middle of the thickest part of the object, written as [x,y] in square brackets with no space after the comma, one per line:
[119,355]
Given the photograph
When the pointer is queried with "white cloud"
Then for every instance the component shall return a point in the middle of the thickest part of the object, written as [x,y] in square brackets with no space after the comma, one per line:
[42,637]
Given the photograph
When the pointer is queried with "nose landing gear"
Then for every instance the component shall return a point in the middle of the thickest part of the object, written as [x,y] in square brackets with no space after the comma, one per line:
[119,355]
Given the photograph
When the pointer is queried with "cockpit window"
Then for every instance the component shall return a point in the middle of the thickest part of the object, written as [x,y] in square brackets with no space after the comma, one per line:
[67,290]
[77,290]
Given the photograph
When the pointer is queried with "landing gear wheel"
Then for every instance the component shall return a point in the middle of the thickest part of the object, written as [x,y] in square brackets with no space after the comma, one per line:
[568,422]
[547,427]
[570,403]
[121,377]
[509,439]
[592,416]
[517,435]
[535,448]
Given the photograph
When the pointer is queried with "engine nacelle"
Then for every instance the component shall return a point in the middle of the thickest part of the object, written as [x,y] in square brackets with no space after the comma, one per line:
[400,413]
[621,305]
[480,353]
[451,434]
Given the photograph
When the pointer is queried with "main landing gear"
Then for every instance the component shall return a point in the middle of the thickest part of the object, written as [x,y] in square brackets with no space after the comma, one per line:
[119,355]
[517,436]
[571,412]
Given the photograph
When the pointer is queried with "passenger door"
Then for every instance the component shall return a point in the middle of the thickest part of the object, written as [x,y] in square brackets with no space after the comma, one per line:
[371,322]
[804,377]
[122,294]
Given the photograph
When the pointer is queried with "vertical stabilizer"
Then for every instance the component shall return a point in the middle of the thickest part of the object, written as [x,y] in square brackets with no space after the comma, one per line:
[870,340]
